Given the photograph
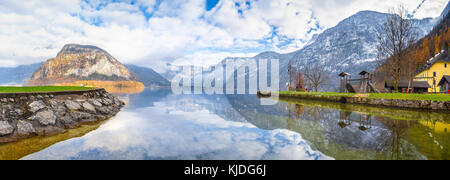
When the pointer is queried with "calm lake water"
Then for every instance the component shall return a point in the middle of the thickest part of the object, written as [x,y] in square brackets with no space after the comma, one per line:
[159,125]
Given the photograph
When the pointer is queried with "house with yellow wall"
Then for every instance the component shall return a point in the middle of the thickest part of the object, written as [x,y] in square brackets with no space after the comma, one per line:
[434,70]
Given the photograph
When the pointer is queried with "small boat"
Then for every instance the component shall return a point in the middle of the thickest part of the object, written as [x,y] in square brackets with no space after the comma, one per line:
[264,94]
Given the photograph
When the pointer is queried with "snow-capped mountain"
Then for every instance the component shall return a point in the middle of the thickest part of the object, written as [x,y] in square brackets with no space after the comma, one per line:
[445,12]
[351,46]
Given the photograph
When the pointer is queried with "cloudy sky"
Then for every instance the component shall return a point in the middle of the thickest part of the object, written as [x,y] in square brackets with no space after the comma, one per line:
[153,33]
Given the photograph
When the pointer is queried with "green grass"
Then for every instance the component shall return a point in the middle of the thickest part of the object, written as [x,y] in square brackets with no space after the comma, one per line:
[320,93]
[9,89]
[432,97]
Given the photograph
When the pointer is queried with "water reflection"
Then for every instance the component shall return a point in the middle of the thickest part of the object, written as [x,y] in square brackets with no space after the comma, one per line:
[124,89]
[21,148]
[357,132]
[181,127]
[346,118]
[115,87]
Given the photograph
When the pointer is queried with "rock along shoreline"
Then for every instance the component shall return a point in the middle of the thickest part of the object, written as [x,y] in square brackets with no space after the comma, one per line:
[24,115]
[396,103]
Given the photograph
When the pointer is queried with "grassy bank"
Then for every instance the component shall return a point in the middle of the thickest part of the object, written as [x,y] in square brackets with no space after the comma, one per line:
[41,89]
[431,97]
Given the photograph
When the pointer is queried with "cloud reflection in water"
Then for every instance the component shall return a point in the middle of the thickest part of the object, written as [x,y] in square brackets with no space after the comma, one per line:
[163,131]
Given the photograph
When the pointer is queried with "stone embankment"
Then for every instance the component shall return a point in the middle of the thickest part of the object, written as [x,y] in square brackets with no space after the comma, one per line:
[398,103]
[24,115]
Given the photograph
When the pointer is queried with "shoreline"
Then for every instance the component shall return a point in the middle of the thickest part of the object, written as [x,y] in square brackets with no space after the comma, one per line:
[29,114]
[7,95]
[362,100]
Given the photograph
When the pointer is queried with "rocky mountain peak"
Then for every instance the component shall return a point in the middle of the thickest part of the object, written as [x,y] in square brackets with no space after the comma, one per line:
[76,49]
[81,62]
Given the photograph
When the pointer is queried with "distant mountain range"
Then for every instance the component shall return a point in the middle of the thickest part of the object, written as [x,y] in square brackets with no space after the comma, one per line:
[350,47]
[18,75]
[148,76]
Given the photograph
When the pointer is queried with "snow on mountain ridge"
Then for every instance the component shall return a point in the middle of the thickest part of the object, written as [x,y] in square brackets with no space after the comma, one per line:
[350,46]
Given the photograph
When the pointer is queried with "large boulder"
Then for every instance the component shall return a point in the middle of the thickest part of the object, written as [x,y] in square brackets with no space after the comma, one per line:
[36,106]
[117,101]
[105,110]
[80,116]
[5,128]
[25,128]
[88,107]
[60,111]
[95,102]
[71,105]
[68,122]
[67,119]
[46,118]
[107,101]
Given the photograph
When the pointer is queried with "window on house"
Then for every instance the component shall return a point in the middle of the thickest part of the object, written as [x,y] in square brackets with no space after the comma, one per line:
[434,74]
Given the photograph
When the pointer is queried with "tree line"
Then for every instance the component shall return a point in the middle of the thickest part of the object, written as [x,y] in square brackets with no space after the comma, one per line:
[306,79]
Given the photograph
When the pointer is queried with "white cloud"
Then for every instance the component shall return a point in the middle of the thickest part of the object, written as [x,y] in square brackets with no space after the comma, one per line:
[181,129]
[331,12]
[246,26]
[207,58]
[148,4]
[431,8]
[151,34]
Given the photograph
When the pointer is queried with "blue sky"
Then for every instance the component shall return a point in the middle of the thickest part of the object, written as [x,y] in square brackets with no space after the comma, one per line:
[153,33]
[211,4]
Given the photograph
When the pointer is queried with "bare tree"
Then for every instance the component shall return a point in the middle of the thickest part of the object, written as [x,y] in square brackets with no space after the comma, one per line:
[316,76]
[299,81]
[291,72]
[396,34]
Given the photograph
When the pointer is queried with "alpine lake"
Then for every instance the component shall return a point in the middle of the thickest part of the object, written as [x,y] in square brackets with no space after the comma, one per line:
[157,124]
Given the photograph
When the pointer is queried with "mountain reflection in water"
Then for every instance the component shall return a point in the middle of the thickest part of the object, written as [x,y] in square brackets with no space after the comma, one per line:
[159,125]
[344,131]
